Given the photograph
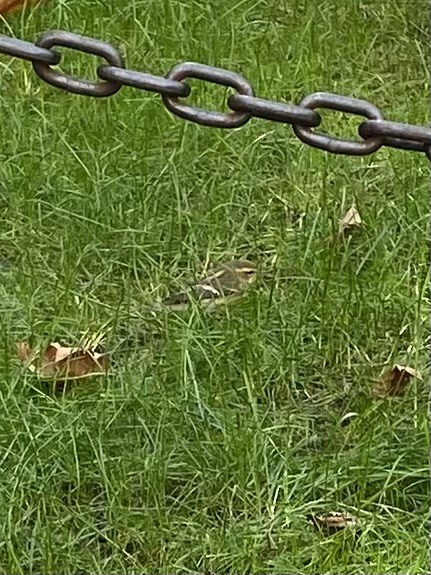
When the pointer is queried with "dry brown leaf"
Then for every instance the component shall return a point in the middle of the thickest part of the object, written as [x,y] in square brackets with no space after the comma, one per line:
[8,6]
[351,221]
[394,381]
[63,363]
[333,520]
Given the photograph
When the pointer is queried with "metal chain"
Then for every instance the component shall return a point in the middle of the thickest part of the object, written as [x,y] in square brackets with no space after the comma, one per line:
[373,133]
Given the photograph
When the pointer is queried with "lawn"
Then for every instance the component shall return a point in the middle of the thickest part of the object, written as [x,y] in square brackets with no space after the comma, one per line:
[215,435]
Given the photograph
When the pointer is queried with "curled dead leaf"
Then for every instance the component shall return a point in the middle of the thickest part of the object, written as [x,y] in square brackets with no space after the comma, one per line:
[351,221]
[333,521]
[63,363]
[395,380]
[9,6]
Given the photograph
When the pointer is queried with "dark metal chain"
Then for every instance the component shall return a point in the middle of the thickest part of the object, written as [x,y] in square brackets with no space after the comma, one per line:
[373,133]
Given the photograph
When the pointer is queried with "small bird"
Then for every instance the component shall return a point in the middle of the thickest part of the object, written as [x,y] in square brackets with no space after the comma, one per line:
[226,283]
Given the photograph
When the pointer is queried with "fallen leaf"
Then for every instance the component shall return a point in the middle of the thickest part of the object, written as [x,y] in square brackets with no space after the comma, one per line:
[333,520]
[394,381]
[8,6]
[350,222]
[63,363]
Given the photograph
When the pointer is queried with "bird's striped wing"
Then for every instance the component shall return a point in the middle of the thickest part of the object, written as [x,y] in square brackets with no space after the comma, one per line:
[205,293]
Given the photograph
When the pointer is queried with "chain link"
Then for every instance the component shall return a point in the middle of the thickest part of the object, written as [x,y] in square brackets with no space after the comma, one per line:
[216,76]
[304,118]
[81,44]
[144,81]
[27,51]
[347,105]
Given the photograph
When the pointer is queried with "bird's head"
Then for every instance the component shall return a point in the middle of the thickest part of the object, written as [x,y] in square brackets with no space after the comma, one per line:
[244,271]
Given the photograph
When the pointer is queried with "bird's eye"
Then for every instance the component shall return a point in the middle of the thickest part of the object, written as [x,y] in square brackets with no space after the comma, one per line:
[249,272]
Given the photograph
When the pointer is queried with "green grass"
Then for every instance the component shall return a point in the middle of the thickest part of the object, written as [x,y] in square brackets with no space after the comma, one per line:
[214,436]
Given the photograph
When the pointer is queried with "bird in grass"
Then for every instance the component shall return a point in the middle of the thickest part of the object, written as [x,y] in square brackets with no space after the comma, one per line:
[226,283]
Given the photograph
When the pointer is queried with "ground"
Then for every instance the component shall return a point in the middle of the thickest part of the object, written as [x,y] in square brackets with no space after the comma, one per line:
[214,436]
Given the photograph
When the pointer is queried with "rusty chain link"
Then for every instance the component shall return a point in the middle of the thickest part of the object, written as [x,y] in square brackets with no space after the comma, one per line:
[373,133]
